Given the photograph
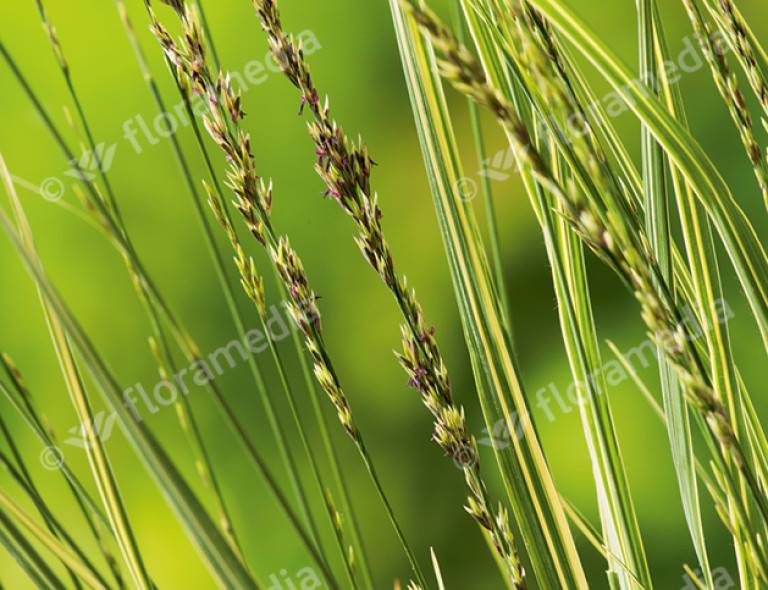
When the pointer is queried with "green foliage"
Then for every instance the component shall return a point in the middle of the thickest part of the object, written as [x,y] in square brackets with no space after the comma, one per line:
[667,224]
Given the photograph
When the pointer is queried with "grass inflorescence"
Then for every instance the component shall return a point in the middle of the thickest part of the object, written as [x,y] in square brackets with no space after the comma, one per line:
[669,226]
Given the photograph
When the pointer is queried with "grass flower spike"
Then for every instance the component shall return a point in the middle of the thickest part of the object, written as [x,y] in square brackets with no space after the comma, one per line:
[345,167]
[252,437]
[254,202]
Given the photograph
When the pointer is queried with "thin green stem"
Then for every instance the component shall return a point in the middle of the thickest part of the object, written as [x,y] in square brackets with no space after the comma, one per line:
[184,340]
[195,435]
[485,184]
[90,509]
[304,440]
[21,476]
[330,450]
[26,555]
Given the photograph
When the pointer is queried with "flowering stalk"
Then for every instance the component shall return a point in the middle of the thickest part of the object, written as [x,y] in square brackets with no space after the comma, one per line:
[253,200]
[608,234]
[158,341]
[345,168]
[728,84]
[736,28]
[253,285]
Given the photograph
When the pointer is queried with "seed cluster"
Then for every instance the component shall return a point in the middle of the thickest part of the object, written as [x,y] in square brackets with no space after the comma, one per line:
[253,199]
[53,37]
[728,83]
[603,221]
[746,51]
[345,167]
[250,279]
[605,232]
[304,311]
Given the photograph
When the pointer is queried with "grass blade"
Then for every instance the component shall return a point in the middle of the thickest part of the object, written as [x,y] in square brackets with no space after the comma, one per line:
[97,457]
[535,502]
[739,237]
[201,529]
[656,208]
[50,542]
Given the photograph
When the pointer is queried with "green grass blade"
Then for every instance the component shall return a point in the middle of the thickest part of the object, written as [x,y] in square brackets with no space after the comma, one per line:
[592,534]
[204,534]
[97,457]
[741,242]
[26,556]
[21,476]
[49,541]
[621,530]
[657,228]
[565,254]
[20,473]
[487,192]
[535,502]
[20,400]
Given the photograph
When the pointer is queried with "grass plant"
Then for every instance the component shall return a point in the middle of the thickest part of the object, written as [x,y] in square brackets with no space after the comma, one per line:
[652,207]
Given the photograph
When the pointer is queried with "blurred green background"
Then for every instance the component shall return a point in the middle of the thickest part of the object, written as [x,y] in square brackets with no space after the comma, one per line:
[357,64]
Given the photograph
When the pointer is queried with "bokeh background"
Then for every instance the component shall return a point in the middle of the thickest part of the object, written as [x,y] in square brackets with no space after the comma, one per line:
[357,64]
